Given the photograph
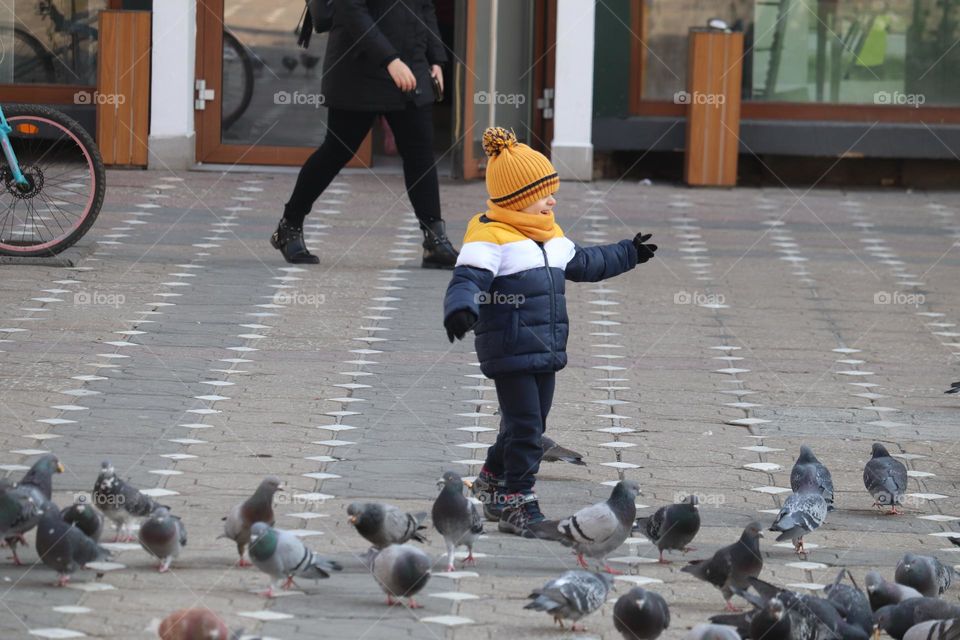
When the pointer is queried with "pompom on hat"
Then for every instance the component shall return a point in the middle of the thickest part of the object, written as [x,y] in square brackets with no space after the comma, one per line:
[517,176]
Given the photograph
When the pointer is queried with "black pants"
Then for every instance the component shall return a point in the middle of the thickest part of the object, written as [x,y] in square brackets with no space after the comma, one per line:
[413,130]
[525,401]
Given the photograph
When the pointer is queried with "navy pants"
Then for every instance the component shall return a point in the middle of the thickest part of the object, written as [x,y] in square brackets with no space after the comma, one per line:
[525,401]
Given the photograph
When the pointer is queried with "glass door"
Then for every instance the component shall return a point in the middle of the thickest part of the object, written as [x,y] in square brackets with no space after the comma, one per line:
[504,73]
[259,99]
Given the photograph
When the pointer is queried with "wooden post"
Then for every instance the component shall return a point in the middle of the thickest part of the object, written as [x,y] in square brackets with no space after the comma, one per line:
[123,87]
[713,108]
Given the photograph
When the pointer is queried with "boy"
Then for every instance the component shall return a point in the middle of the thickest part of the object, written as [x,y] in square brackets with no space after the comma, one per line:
[508,286]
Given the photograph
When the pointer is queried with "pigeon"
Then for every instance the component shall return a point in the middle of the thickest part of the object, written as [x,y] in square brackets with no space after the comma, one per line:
[289,63]
[572,596]
[896,619]
[733,565]
[63,547]
[934,630]
[402,570]
[926,574]
[384,524]
[707,631]
[809,617]
[768,620]
[162,535]
[824,479]
[195,624]
[456,518]
[553,452]
[885,478]
[672,527]
[83,516]
[256,508]
[954,388]
[641,615]
[802,512]
[597,530]
[851,602]
[882,593]
[282,555]
[21,504]
[120,501]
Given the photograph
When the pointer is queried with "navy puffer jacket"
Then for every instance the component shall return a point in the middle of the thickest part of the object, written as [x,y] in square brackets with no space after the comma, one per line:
[516,288]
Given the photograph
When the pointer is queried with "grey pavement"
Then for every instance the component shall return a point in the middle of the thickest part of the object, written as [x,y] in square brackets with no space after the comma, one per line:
[184,350]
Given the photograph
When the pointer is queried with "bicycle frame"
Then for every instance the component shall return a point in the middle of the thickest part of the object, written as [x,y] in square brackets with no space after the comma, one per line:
[12,162]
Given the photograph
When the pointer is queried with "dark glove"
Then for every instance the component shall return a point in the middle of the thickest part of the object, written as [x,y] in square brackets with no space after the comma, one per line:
[644,251]
[458,323]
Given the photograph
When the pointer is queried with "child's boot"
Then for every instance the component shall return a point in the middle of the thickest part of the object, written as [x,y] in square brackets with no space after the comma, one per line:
[522,517]
[489,490]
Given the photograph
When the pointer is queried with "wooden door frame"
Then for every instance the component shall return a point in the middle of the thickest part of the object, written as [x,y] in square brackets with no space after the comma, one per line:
[209,148]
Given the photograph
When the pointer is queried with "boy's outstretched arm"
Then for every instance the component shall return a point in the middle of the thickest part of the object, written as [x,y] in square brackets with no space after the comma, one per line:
[461,304]
[592,264]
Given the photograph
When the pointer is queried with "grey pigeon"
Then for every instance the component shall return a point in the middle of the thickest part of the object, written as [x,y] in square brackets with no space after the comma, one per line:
[885,478]
[455,518]
[256,508]
[162,535]
[934,630]
[926,574]
[768,620]
[21,504]
[282,555]
[805,461]
[384,524]
[797,616]
[572,596]
[553,452]
[83,516]
[597,530]
[802,512]
[641,615]
[63,547]
[402,570]
[709,631]
[897,619]
[672,527]
[881,592]
[954,388]
[852,603]
[733,565]
[119,500]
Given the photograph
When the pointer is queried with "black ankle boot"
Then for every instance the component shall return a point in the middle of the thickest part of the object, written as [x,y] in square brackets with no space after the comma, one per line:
[438,253]
[289,241]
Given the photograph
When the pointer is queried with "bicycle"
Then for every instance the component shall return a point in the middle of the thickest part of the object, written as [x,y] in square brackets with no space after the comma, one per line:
[53,181]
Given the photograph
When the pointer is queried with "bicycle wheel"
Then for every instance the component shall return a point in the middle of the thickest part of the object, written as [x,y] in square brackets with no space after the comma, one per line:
[66,183]
[32,63]
[237,83]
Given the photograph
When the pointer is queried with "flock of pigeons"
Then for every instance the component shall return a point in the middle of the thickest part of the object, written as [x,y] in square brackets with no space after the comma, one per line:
[909,608]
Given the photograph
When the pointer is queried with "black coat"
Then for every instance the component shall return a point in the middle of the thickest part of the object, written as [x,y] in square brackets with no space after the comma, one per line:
[367,35]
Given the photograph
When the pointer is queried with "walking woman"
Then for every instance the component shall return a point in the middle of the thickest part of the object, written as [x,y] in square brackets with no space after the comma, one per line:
[381,58]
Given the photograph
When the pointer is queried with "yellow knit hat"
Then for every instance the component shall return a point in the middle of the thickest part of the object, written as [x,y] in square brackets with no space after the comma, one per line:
[517,176]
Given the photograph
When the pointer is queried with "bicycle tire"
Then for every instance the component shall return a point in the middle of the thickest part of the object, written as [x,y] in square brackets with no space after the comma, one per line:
[14,112]
[227,120]
[43,57]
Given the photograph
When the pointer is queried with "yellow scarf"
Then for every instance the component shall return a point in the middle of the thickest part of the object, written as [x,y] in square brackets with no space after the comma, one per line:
[537,227]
